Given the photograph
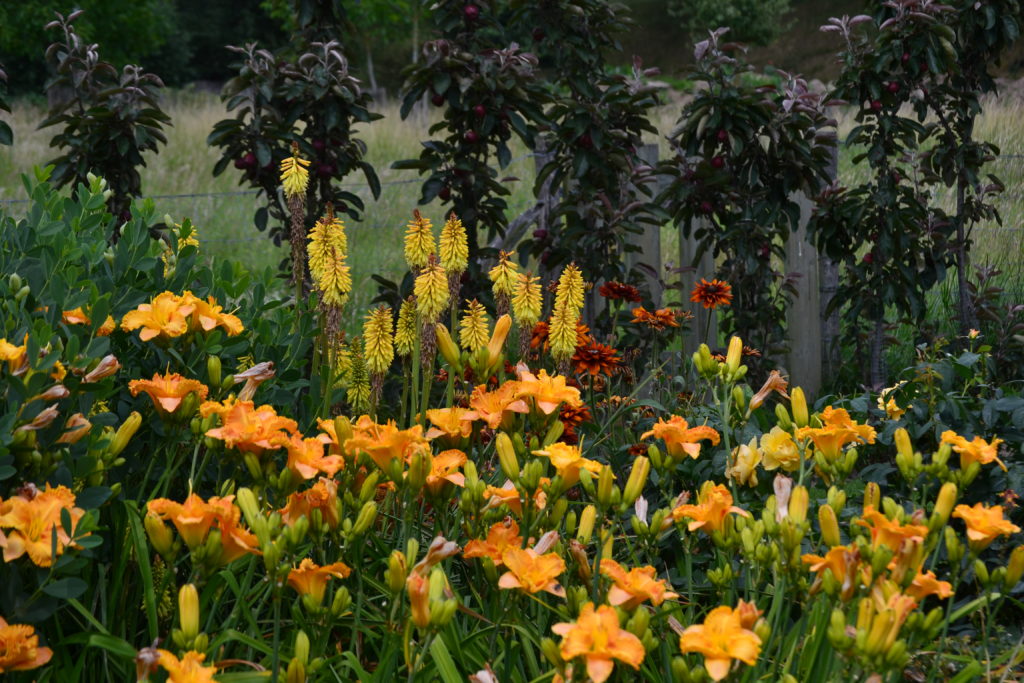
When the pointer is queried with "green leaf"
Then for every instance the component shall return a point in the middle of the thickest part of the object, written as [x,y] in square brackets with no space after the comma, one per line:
[66,588]
[138,538]
[444,662]
[112,644]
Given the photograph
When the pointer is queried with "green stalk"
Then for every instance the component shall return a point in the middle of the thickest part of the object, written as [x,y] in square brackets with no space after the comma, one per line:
[277,635]
[945,625]
[428,376]
[413,395]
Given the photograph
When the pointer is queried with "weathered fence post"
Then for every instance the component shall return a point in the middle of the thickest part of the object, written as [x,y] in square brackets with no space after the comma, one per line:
[812,332]
[803,326]
[829,287]
[649,242]
[691,272]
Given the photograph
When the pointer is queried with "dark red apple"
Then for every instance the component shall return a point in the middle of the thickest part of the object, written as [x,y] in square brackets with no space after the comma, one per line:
[480,111]
[471,12]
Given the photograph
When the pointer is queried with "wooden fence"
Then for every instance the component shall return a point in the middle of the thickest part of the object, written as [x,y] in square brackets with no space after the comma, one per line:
[812,329]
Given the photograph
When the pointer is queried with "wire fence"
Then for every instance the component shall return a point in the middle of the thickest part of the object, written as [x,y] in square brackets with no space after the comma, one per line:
[355,186]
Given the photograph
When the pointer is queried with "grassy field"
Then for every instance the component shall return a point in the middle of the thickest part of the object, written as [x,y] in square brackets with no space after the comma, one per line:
[180,177]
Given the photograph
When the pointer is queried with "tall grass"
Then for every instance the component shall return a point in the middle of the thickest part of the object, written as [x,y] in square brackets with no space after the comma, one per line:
[183,170]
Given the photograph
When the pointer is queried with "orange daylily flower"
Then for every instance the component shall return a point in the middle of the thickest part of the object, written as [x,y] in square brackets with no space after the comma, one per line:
[597,637]
[322,496]
[165,317]
[926,584]
[714,503]
[251,429]
[386,442]
[32,521]
[547,392]
[309,579]
[188,669]
[219,408]
[721,639]
[168,391]
[984,524]
[748,613]
[568,461]
[195,518]
[17,360]
[887,532]
[838,430]
[977,450]
[235,540]
[329,437]
[845,564]
[531,572]
[633,587]
[775,382]
[444,468]
[680,438]
[508,495]
[19,648]
[306,457]
[494,407]
[78,317]
[455,423]
[207,315]
[500,537]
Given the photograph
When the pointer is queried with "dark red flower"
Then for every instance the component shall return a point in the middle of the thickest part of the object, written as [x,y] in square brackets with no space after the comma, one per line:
[619,290]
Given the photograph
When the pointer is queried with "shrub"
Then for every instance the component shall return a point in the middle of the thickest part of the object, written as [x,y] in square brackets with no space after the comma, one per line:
[108,120]
[742,152]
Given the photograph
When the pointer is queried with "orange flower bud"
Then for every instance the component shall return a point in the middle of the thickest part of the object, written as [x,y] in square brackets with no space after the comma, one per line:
[798,500]
[829,525]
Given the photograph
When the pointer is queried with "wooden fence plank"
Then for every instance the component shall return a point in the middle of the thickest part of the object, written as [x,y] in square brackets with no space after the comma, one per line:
[704,267]
[803,325]
[649,242]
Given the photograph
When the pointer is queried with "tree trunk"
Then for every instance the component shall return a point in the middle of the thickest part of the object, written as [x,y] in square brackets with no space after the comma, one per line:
[415,33]
[966,306]
[877,376]
[370,72]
